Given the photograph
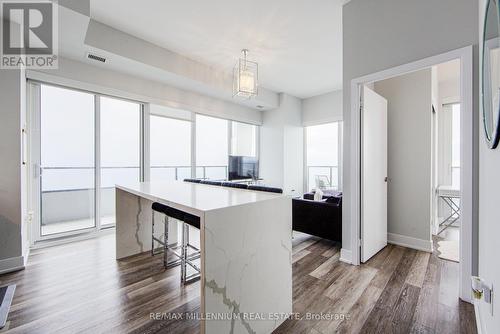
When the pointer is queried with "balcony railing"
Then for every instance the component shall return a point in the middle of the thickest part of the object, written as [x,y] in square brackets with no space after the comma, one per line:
[57,178]
[332,172]
[68,192]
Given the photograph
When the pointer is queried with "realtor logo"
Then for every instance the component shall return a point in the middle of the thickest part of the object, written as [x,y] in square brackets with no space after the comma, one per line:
[29,34]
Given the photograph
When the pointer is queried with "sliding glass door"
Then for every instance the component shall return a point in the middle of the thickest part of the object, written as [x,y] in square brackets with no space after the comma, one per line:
[67,165]
[83,144]
[120,151]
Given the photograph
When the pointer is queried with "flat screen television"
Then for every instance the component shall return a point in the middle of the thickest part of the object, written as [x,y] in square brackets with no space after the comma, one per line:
[243,168]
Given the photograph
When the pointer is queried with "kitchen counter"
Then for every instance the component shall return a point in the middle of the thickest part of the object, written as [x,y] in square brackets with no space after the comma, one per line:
[245,243]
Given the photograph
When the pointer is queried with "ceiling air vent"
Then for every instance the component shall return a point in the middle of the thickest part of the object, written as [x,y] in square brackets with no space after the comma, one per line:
[96,57]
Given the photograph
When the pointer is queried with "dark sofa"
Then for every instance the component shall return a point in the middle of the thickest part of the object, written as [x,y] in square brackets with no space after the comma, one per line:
[320,218]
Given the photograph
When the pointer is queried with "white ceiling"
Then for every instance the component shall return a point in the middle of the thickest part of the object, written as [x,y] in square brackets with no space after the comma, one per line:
[298,44]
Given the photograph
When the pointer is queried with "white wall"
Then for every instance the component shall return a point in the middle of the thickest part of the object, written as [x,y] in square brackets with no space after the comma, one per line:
[281,146]
[12,172]
[489,222]
[382,34]
[322,109]
[85,76]
[409,99]
[449,91]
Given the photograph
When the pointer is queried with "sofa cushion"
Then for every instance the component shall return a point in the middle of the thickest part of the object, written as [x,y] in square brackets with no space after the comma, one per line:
[335,200]
[318,218]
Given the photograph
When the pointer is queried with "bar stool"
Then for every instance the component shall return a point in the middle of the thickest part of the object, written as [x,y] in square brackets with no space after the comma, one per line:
[184,258]
[167,212]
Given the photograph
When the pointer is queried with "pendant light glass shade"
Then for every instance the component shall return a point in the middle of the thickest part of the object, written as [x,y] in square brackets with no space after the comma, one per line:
[245,77]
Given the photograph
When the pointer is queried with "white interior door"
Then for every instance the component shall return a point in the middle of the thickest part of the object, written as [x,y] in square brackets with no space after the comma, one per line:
[374,174]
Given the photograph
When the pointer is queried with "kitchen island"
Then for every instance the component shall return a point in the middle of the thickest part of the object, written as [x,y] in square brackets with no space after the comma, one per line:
[245,244]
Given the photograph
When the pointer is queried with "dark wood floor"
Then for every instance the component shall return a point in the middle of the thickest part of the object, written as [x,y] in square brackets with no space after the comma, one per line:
[399,290]
[79,287]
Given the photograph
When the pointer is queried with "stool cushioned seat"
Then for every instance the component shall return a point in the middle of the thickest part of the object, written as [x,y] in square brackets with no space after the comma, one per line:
[177,214]
[192,220]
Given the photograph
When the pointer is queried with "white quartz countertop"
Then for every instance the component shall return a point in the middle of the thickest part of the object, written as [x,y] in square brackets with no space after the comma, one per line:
[194,196]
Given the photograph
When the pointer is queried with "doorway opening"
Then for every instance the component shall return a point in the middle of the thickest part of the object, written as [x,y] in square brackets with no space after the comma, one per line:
[429,202]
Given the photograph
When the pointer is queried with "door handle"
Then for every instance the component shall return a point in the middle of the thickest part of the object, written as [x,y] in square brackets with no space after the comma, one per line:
[386,179]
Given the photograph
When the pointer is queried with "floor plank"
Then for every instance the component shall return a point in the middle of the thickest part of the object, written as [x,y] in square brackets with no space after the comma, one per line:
[379,320]
[405,308]
[417,272]
[426,311]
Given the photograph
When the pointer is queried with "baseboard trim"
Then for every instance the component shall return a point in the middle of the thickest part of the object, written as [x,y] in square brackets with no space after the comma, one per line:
[409,242]
[345,256]
[479,323]
[26,255]
[11,264]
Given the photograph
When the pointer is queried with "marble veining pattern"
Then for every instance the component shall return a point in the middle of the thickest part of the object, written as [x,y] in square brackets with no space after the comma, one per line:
[234,307]
[248,266]
[138,224]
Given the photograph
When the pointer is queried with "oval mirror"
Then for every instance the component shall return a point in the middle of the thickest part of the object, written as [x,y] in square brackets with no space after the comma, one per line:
[490,93]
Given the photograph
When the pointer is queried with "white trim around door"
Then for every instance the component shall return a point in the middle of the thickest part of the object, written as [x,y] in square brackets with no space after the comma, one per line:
[467,177]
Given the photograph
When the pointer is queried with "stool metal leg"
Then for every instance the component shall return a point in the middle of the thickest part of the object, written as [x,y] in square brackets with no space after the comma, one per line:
[187,259]
[165,246]
[184,252]
[152,233]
